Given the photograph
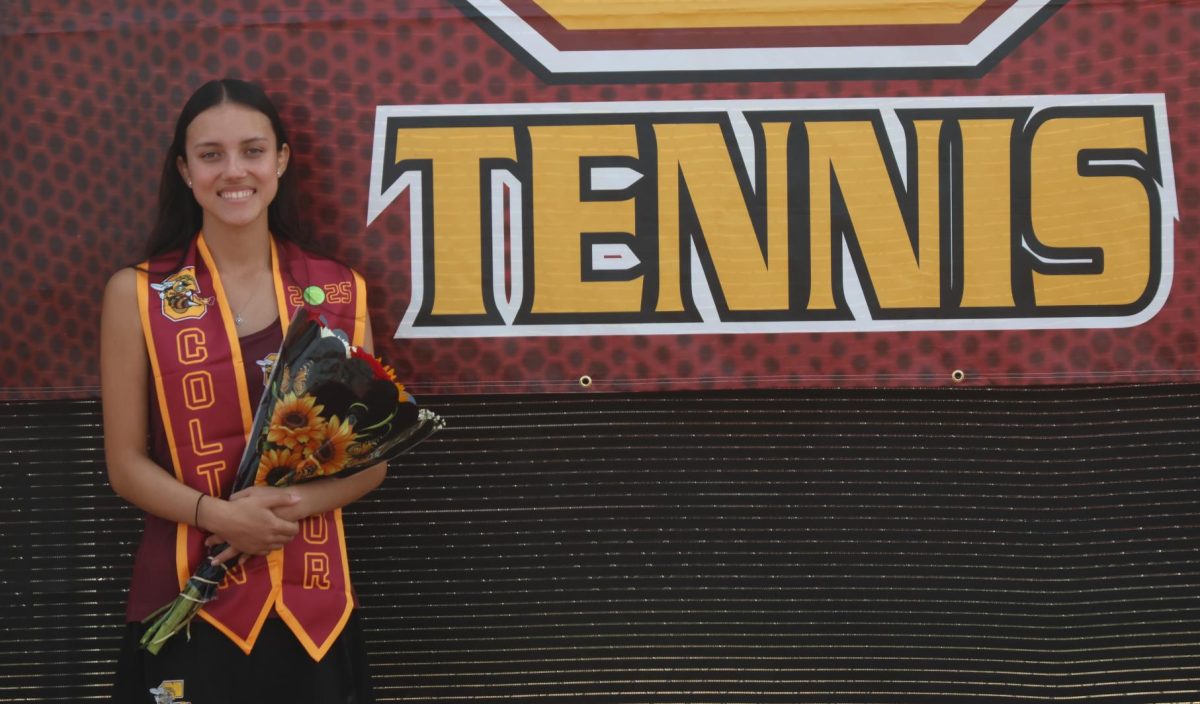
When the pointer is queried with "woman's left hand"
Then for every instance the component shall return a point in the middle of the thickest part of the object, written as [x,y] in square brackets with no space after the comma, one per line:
[285,506]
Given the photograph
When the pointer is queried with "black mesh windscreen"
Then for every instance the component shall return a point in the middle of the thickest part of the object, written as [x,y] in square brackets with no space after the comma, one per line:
[815,546]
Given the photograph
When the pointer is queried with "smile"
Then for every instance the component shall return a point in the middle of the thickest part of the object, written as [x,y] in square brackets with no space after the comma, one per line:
[236,195]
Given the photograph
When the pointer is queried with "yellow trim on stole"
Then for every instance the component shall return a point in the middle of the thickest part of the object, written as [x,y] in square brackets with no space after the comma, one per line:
[360,310]
[235,346]
[281,299]
[239,375]
[182,573]
[315,651]
[275,557]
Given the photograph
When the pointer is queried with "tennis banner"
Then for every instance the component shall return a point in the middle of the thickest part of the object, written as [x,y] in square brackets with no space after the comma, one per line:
[556,195]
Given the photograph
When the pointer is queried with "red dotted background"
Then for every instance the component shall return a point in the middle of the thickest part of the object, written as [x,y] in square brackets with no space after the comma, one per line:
[91,90]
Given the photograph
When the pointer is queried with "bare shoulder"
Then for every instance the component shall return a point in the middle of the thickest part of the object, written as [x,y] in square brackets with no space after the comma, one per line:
[120,299]
[123,281]
[122,285]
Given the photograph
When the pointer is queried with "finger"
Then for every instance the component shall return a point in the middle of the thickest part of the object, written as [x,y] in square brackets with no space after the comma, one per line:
[246,493]
[227,554]
[280,539]
[281,498]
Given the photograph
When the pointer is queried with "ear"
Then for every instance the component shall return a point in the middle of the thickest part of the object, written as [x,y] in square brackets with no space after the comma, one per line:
[281,159]
[182,166]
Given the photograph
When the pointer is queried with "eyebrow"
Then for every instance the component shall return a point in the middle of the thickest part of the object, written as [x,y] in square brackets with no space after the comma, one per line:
[218,144]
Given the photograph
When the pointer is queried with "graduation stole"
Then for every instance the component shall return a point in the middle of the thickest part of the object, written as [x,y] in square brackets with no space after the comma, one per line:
[200,383]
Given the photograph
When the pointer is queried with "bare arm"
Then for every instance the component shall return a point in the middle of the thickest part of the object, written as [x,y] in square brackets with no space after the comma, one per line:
[252,527]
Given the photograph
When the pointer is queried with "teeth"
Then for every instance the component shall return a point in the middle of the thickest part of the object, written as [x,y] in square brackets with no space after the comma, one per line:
[236,195]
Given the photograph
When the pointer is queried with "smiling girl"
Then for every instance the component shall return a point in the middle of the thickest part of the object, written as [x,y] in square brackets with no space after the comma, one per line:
[185,337]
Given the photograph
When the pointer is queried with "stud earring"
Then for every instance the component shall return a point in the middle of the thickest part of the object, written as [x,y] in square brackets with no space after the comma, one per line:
[189,183]
[279,173]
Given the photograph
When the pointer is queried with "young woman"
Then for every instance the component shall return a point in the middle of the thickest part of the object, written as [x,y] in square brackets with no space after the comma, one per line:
[185,339]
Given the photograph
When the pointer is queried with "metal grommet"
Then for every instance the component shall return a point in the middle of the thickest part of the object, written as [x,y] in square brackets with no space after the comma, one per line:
[585,381]
[957,375]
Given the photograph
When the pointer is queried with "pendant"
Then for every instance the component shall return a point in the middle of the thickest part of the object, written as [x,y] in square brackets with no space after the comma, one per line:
[237,320]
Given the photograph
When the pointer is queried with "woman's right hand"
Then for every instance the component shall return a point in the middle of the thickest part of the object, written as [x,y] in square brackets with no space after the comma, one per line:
[248,521]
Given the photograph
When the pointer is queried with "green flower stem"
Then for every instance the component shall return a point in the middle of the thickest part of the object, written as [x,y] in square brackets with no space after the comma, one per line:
[200,589]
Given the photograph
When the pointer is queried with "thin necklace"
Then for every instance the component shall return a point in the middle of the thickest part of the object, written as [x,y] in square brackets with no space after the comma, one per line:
[237,317]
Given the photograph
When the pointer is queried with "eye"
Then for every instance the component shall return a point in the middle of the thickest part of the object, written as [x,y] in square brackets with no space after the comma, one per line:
[255,151]
[209,156]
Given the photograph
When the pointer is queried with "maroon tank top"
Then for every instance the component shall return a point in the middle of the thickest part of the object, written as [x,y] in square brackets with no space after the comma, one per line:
[154,582]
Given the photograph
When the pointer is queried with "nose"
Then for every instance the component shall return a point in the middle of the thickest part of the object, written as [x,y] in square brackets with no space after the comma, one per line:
[235,167]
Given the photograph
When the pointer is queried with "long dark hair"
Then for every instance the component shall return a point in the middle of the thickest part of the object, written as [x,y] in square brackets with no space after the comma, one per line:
[179,215]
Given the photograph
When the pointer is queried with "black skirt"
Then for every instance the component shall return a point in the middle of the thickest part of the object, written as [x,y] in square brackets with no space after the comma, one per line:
[212,670]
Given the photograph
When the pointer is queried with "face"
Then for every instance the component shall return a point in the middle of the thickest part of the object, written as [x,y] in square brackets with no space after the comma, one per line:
[233,165]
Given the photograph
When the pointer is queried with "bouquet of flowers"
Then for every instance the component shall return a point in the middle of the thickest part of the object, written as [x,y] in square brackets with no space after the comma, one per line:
[329,409]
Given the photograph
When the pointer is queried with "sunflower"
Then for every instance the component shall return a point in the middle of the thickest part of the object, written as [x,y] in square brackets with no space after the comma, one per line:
[297,424]
[276,464]
[401,394]
[332,454]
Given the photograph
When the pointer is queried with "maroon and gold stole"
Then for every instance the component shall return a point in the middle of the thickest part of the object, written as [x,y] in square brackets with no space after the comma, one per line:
[199,379]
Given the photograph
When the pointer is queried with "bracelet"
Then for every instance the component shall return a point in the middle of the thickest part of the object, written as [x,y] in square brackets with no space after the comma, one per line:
[196,515]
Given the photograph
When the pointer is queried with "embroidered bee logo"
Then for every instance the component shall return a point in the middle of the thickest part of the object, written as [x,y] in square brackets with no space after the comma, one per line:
[180,295]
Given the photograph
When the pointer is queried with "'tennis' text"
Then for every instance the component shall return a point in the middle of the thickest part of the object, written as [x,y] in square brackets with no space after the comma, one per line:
[759,219]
